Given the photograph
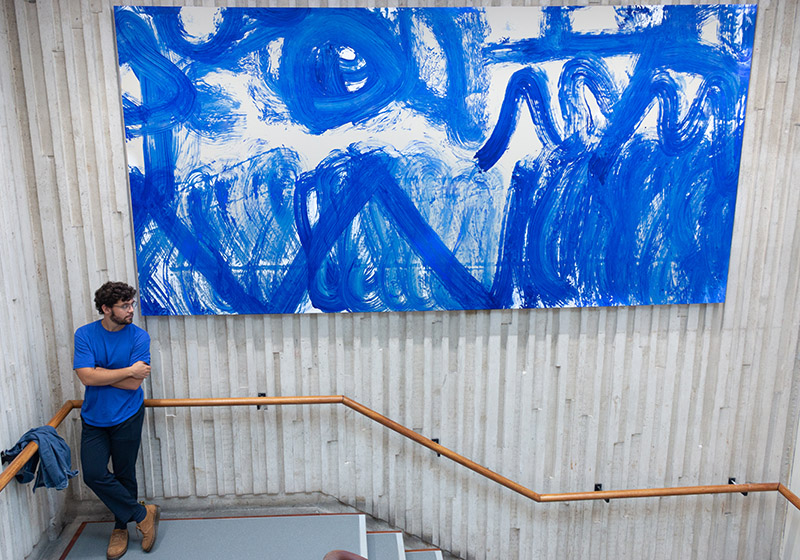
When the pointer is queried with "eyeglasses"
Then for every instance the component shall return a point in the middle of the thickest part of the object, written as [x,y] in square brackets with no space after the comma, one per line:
[126,306]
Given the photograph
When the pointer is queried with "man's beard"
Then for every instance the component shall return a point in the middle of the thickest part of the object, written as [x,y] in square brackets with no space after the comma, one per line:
[124,321]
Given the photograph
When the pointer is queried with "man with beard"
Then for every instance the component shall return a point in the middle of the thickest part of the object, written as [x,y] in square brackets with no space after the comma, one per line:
[112,359]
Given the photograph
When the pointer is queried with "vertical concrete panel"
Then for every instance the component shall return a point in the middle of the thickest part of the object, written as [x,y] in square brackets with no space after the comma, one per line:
[27,398]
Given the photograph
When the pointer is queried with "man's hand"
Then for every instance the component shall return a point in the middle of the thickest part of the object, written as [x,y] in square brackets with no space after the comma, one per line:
[140,370]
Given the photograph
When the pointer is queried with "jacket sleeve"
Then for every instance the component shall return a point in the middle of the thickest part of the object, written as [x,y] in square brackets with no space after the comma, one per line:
[53,459]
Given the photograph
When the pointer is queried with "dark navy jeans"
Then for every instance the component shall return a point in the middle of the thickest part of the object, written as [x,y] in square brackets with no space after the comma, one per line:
[117,489]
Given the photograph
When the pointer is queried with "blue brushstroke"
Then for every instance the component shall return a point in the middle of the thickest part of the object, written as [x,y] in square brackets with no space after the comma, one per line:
[323,87]
[460,34]
[606,212]
[528,85]
[170,94]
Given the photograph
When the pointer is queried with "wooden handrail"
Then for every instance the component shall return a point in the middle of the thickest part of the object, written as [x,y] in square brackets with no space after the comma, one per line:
[659,492]
[430,444]
[789,495]
[31,448]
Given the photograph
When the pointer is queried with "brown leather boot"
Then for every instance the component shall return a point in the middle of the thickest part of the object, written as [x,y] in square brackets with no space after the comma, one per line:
[149,526]
[118,545]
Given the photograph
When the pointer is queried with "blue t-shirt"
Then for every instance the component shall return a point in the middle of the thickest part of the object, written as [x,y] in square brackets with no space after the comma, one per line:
[96,347]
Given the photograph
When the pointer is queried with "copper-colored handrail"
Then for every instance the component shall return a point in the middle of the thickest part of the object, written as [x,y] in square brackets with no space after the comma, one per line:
[659,492]
[30,449]
[789,495]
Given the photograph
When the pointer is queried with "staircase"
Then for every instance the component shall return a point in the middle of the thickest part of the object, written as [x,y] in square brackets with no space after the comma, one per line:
[287,537]
[388,545]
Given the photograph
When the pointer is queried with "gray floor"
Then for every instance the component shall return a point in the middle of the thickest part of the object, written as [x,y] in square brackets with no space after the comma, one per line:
[267,537]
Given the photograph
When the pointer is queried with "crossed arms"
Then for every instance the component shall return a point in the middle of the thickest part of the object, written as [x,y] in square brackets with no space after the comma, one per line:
[130,377]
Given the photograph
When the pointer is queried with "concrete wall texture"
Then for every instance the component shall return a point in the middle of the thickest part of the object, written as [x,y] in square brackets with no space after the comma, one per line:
[557,400]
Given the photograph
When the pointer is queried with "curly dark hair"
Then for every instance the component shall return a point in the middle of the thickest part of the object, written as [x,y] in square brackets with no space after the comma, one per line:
[112,292]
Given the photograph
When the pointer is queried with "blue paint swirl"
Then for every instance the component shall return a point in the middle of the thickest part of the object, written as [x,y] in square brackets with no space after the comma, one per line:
[626,196]
[340,67]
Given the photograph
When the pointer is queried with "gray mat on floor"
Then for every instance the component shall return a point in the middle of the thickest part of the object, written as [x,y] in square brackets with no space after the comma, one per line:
[269,538]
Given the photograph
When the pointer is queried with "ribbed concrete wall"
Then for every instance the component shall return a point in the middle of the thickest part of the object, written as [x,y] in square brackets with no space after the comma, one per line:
[557,400]
[27,398]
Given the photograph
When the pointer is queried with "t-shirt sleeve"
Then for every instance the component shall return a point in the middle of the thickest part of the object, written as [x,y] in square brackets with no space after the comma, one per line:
[84,355]
[141,347]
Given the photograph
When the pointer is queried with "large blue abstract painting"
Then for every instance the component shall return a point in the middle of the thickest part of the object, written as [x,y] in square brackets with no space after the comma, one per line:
[405,159]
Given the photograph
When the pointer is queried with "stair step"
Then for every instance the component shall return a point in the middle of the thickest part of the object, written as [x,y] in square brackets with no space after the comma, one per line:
[271,537]
[293,537]
[385,545]
[427,554]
